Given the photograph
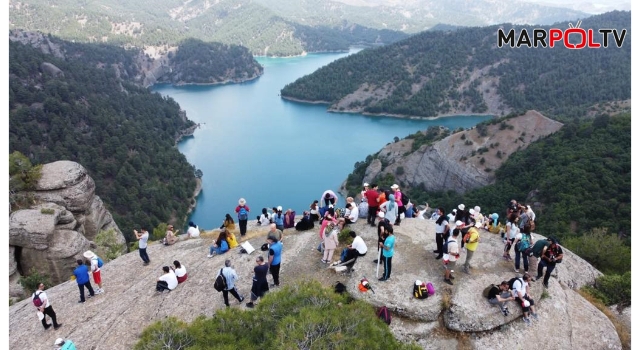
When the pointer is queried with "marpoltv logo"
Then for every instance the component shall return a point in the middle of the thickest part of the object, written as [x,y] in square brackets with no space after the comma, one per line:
[580,38]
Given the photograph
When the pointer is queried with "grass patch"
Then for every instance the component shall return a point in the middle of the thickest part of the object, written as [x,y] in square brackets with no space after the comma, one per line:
[47,211]
[624,333]
[544,295]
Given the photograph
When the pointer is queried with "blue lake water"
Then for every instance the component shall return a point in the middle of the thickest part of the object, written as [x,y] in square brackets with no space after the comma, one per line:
[270,151]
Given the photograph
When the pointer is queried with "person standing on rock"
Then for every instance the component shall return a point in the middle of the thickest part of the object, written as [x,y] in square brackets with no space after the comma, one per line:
[442,226]
[82,278]
[230,276]
[390,208]
[275,258]
[397,195]
[143,237]
[472,245]
[243,215]
[387,251]
[372,201]
[95,270]
[45,309]
[452,255]
[260,283]
[550,256]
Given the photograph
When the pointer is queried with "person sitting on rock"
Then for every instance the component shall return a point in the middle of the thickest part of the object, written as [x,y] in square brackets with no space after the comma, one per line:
[306,223]
[228,223]
[409,211]
[265,218]
[170,236]
[500,295]
[168,281]
[193,231]
[220,246]
[289,218]
[353,213]
[357,248]
[180,271]
[231,240]
[520,291]
[314,211]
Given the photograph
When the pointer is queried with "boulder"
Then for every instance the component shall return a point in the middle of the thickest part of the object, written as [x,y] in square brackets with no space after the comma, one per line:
[30,228]
[51,69]
[67,184]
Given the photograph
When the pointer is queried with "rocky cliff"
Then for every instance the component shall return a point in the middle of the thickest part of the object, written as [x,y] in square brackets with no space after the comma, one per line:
[115,319]
[63,222]
[463,160]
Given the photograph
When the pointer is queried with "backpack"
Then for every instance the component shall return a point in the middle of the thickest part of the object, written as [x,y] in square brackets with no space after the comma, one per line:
[512,281]
[36,300]
[100,262]
[384,315]
[430,289]
[404,199]
[340,288]
[221,282]
[467,237]
[243,214]
[420,290]
[485,292]
[525,242]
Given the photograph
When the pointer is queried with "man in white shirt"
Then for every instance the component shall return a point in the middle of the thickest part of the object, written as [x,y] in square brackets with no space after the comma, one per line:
[193,231]
[356,248]
[231,276]
[520,290]
[451,256]
[143,237]
[353,213]
[45,308]
[168,281]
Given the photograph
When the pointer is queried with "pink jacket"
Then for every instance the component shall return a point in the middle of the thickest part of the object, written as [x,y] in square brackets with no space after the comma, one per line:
[331,241]
[324,225]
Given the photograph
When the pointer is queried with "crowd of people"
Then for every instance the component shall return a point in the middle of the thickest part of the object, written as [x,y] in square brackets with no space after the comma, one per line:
[456,233]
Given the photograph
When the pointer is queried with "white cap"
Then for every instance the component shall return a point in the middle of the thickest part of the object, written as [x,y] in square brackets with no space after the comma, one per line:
[58,342]
[366,184]
[279,208]
[459,223]
[461,206]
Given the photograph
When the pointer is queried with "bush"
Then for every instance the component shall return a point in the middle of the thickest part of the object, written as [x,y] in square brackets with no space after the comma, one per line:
[300,316]
[344,237]
[47,211]
[612,289]
[108,246]
[400,170]
[32,280]
[604,251]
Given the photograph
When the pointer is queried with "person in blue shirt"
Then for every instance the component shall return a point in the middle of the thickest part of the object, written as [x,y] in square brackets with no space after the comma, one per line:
[64,344]
[220,246]
[387,251]
[275,257]
[82,278]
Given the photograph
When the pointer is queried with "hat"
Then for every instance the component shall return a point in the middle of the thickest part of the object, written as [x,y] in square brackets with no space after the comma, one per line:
[461,206]
[459,223]
[477,209]
[59,342]
[394,186]
[380,214]
[472,212]
[366,184]
[330,206]
[242,201]
[279,208]
[88,254]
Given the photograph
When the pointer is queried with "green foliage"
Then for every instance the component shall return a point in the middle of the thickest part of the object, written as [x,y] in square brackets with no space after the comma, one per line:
[343,236]
[604,251]
[545,294]
[23,176]
[120,132]
[439,62]
[159,232]
[47,211]
[612,289]
[31,281]
[300,316]
[108,246]
[400,170]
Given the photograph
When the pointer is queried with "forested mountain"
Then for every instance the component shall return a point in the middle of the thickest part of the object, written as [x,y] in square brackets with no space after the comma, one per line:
[120,132]
[435,73]
[158,22]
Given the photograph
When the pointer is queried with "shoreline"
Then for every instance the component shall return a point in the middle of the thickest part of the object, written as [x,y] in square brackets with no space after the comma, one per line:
[196,193]
[224,82]
[391,115]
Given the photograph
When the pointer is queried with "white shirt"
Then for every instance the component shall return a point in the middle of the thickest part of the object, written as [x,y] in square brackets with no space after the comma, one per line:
[143,240]
[181,271]
[193,231]
[359,245]
[265,220]
[354,214]
[94,264]
[519,286]
[171,279]
[513,229]
[452,247]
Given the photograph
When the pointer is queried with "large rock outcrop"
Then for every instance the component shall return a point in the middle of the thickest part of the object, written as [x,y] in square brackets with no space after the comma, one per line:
[52,234]
[130,303]
[463,160]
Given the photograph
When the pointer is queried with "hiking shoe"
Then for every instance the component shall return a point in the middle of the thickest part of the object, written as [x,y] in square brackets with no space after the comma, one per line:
[145,264]
[516,270]
[451,277]
[99,291]
[466,271]
[58,326]
[546,285]
[250,305]
[241,299]
[91,295]
[535,316]
[436,251]
[375,261]
[448,281]
[526,320]
[273,285]
[505,311]
[80,301]
[210,256]
[438,257]
[47,327]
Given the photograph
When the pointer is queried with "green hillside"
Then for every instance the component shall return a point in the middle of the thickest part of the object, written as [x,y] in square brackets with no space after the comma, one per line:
[123,134]
[239,22]
[436,73]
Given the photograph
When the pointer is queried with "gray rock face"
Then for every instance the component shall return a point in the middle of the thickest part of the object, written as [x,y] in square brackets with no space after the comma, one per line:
[51,69]
[52,234]
[372,170]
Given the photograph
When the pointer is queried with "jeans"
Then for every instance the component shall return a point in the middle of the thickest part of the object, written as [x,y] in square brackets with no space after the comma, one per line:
[502,304]
[49,312]
[386,261]
[81,287]
[143,255]
[371,218]
[525,260]
[275,273]
[225,295]
[549,265]
[243,227]
[217,250]
[439,243]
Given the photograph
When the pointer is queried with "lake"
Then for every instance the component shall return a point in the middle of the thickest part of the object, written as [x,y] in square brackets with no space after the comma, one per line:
[272,152]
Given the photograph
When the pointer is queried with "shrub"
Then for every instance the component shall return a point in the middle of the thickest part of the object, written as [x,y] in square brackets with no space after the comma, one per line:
[47,211]
[108,246]
[299,316]
[31,281]
[159,232]
[344,237]
[604,251]
[399,170]
[612,289]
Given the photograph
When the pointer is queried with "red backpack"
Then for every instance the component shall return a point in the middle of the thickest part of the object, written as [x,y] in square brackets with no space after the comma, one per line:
[36,300]
[384,314]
